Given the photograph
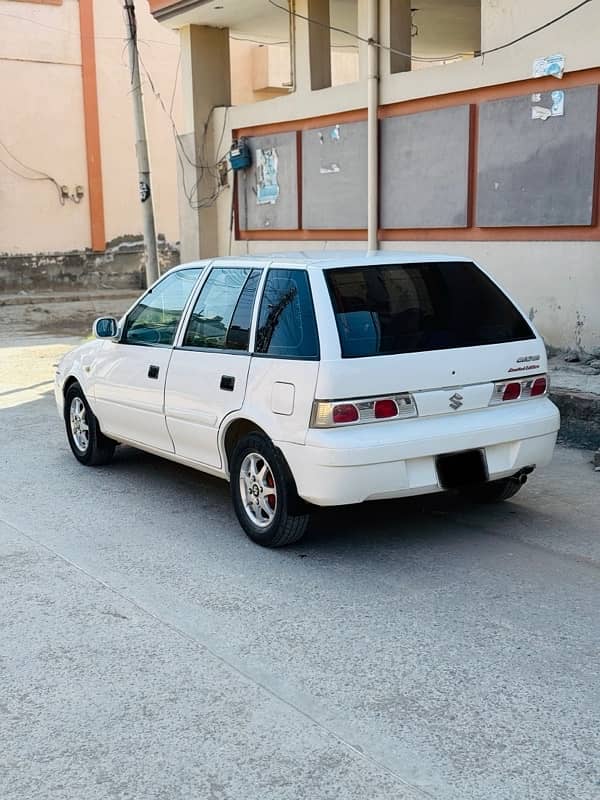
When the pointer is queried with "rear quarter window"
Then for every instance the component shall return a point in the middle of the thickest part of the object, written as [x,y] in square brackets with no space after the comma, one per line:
[287,326]
[411,308]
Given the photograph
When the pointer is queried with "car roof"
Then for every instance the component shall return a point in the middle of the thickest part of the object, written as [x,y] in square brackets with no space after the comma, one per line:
[319,259]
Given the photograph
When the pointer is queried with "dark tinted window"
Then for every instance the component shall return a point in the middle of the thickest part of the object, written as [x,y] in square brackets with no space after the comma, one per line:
[155,319]
[408,308]
[286,325]
[222,314]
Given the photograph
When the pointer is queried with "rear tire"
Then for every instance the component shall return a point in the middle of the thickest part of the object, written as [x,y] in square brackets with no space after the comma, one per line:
[493,492]
[264,494]
[89,445]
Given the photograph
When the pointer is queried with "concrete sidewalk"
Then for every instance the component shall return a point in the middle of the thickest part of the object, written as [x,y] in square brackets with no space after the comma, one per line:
[575,388]
[59,314]
[75,296]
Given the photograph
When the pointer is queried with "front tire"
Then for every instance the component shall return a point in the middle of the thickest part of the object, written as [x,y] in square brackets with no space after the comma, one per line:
[89,445]
[264,494]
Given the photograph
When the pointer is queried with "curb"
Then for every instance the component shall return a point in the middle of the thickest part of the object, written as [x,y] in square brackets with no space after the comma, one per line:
[580,417]
[71,297]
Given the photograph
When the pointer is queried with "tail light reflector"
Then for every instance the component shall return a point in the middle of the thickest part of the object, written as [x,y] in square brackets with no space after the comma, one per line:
[330,414]
[512,391]
[539,386]
[385,409]
[519,390]
[344,413]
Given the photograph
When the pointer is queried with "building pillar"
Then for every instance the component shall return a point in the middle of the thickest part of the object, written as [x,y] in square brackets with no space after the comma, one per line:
[319,36]
[400,26]
[312,46]
[206,84]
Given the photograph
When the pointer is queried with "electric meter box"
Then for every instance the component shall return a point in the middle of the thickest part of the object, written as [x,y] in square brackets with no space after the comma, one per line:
[239,155]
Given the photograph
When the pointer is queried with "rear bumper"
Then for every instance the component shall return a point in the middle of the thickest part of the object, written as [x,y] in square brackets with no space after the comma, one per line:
[397,459]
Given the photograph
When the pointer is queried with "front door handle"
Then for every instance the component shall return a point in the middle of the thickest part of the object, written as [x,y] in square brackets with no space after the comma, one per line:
[227,383]
[153,371]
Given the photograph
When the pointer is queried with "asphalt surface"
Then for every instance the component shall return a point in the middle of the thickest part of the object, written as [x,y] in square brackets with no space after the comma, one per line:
[410,649]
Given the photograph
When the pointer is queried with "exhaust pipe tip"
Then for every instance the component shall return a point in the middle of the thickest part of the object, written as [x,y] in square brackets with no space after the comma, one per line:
[523,474]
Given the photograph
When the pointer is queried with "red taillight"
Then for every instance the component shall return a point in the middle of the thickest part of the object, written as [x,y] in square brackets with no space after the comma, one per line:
[512,391]
[519,390]
[539,387]
[329,413]
[345,412]
[384,409]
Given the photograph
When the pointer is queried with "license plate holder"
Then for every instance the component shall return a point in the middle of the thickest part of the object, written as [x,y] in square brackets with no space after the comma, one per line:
[467,468]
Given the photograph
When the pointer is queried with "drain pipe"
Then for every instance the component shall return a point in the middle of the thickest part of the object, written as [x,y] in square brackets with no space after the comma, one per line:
[292,33]
[373,126]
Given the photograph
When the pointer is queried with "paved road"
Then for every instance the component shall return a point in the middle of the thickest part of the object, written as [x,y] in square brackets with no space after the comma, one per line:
[415,649]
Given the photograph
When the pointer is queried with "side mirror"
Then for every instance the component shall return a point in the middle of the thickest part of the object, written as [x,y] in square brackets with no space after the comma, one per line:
[106,328]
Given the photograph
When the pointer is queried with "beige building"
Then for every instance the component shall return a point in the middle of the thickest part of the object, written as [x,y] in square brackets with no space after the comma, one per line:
[67,121]
[482,149]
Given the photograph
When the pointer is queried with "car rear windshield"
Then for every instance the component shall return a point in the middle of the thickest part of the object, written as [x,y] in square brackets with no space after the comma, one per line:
[410,308]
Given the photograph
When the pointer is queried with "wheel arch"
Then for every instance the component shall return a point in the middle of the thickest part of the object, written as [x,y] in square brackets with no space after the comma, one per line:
[74,379]
[235,430]
[70,381]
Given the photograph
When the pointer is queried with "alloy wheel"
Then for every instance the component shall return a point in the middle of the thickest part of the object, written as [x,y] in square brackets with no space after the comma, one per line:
[258,490]
[79,427]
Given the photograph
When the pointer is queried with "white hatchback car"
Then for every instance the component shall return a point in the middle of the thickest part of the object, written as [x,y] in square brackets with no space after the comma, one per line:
[319,380]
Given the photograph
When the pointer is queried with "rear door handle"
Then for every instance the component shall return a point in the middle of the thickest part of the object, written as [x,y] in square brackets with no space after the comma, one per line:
[227,383]
[153,371]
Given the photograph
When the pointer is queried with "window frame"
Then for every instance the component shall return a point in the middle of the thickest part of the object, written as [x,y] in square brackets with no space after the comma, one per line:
[182,332]
[287,268]
[199,278]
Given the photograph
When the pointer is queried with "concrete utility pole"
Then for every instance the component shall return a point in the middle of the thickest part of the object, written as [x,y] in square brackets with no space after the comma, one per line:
[373,126]
[141,147]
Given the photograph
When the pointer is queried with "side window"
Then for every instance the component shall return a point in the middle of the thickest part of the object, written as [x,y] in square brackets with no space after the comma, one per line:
[222,316]
[286,325]
[155,319]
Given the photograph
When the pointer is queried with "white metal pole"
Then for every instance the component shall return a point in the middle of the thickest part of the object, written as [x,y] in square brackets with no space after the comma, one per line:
[373,126]
[141,147]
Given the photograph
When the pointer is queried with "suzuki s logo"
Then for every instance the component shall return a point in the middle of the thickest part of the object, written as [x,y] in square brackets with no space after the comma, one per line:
[456,401]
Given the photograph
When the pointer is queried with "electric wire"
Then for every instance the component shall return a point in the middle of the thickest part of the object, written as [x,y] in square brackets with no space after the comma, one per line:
[174,92]
[78,34]
[567,13]
[124,38]
[203,167]
[39,174]
[477,53]
[364,39]
[343,31]
[255,41]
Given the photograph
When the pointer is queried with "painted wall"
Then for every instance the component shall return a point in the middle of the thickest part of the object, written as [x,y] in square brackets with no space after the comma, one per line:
[159,51]
[254,67]
[42,124]
[557,283]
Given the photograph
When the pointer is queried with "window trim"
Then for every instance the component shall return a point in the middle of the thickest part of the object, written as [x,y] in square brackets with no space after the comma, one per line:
[272,268]
[149,291]
[228,352]
[178,342]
